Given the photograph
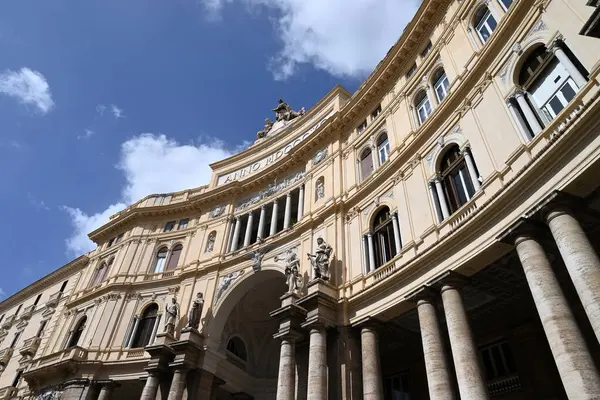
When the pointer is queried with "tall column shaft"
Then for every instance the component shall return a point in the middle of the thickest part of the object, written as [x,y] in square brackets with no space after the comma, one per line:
[472,171]
[248,234]
[106,391]
[523,130]
[178,384]
[300,203]
[569,66]
[236,234]
[288,211]
[375,157]
[442,198]
[317,364]
[436,365]
[471,383]
[397,239]
[151,386]
[371,371]
[575,366]
[581,261]
[273,229]
[435,201]
[133,332]
[286,380]
[371,252]
[261,222]
[231,224]
[528,113]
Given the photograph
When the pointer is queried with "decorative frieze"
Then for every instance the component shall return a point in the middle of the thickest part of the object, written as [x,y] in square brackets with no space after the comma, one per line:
[271,190]
[320,156]
[226,283]
[217,211]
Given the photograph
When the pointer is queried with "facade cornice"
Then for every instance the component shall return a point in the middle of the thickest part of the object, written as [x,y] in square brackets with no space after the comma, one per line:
[44,283]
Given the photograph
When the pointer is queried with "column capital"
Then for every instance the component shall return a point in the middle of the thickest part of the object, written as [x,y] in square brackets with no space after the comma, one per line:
[522,229]
[263,207]
[556,45]
[449,280]
[519,92]
[289,194]
[237,218]
[422,294]
[369,324]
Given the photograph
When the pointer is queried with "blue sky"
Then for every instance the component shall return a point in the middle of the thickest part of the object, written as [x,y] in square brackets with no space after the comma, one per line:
[104,102]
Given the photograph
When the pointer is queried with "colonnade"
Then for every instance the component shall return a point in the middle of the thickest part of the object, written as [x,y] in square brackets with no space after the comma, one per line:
[235,225]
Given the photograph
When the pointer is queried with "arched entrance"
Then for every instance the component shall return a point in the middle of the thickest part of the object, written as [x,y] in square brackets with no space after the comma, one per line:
[241,333]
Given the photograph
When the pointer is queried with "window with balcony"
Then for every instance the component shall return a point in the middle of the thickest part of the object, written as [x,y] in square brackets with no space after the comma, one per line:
[383,148]
[423,106]
[145,327]
[40,331]
[456,179]
[366,164]
[161,260]
[76,333]
[183,224]
[426,50]
[16,338]
[174,257]
[18,309]
[411,71]
[484,23]
[441,85]
[17,379]
[384,241]
[362,127]
[376,112]
[63,286]
[169,226]
[101,273]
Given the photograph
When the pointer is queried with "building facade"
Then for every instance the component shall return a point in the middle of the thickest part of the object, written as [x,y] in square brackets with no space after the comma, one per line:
[433,235]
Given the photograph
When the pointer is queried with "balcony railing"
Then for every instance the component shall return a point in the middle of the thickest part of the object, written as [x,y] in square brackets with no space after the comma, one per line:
[5,355]
[8,322]
[27,312]
[30,346]
[73,354]
[8,392]
[53,300]
[504,385]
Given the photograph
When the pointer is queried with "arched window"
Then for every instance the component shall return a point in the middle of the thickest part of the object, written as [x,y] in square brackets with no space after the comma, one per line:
[161,259]
[484,23]
[441,85]
[383,148]
[237,347]
[320,188]
[142,335]
[76,333]
[505,4]
[423,106]
[174,258]
[384,241]
[366,164]
[101,273]
[457,183]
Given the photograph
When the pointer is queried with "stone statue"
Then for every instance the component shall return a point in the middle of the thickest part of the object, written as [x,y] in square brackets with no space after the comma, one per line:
[266,129]
[210,243]
[171,314]
[257,258]
[196,311]
[283,112]
[226,282]
[292,272]
[321,259]
[320,189]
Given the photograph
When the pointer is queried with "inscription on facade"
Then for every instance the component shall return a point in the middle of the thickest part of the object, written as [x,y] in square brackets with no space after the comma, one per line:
[276,156]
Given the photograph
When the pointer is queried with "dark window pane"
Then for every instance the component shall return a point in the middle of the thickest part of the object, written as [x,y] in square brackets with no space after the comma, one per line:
[568,92]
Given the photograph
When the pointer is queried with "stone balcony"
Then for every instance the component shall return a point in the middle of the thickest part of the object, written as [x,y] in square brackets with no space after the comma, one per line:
[30,346]
[8,322]
[53,300]
[5,355]
[27,313]
[8,392]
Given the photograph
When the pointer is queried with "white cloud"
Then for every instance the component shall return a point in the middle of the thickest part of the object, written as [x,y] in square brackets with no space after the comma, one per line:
[29,87]
[87,133]
[150,164]
[344,38]
[39,205]
[117,112]
[100,108]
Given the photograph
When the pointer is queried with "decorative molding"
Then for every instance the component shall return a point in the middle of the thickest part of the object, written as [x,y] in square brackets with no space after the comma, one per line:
[271,190]
[217,211]
[320,156]
[538,27]
[174,290]
[226,283]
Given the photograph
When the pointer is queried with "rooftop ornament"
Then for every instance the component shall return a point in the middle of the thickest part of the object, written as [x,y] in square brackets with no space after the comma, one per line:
[283,114]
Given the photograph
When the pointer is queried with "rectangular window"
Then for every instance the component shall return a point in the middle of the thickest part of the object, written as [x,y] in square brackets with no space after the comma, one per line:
[361,128]
[441,88]
[111,242]
[183,224]
[376,112]
[18,309]
[63,286]
[17,378]
[366,165]
[424,110]
[506,4]
[15,339]
[498,361]
[170,226]
[384,151]
[41,328]
[561,98]
[426,50]
[486,26]
[37,299]
[411,71]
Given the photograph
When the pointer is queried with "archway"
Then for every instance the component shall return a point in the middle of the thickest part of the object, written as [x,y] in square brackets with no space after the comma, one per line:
[241,333]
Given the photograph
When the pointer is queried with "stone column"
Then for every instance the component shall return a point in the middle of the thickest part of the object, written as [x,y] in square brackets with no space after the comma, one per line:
[273,229]
[151,386]
[397,238]
[106,391]
[580,259]
[178,383]
[371,252]
[375,157]
[436,365]
[317,363]
[286,380]
[236,233]
[435,201]
[301,203]
[568,64]
[441,198]
[575,366]
[261,222]
[523,130]
[471,168]
[471,383]
[133,332]
[528,112]
[248,234]
[371,371]
[288,211]
[231,224]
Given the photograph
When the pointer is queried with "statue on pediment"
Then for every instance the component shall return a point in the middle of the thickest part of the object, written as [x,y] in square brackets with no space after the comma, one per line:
[266,129]
[283,112]
[321,260]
